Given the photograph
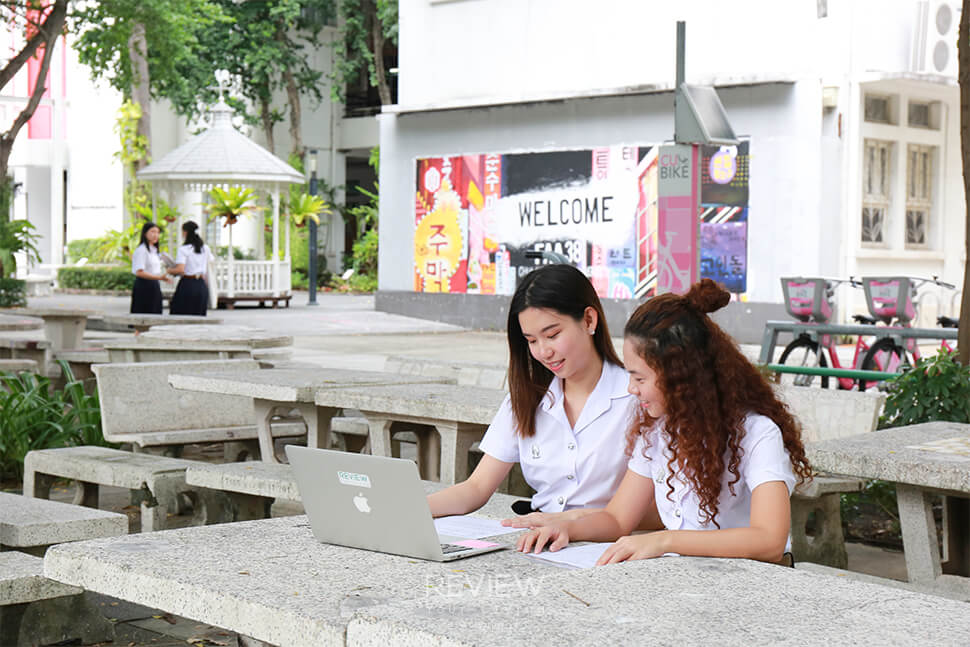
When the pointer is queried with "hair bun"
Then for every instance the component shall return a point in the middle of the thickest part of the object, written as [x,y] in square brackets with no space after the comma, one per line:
[707,296]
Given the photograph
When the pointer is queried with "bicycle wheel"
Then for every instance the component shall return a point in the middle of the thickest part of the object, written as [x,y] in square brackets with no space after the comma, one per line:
[886,356]
[803,352]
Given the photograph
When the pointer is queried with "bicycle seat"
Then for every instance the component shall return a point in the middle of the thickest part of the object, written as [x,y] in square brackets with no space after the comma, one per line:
[948,322]
[863,319]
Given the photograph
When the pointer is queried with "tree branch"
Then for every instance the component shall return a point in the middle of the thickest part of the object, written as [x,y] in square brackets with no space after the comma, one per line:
[55,21]
[43,35]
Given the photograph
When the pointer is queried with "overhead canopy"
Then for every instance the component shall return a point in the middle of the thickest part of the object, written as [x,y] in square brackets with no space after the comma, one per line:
[217,157]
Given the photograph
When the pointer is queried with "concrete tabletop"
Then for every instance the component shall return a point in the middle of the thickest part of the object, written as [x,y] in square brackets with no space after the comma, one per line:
[667,601]
[148,320]
[268,579]
[177,337]
[468,404]
[51,313]
[291,384]
[18,322]
[941,461]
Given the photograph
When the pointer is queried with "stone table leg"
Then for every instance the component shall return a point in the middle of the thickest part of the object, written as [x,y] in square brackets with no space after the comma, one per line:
[919,534]
[379,435]
[456,440]
[65,333]
[429,453]
[317,424]
[264,415]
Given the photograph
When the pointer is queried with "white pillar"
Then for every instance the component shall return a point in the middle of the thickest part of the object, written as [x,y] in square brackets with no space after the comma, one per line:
[276,241]
[232,271]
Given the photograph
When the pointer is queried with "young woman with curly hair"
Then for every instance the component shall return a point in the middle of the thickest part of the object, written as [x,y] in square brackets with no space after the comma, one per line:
[714,455]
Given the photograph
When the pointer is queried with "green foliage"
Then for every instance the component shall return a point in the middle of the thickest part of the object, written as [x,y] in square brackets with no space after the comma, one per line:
[304,206]
[33,415]
[937,388]
[16,236]
[91,277]
[364,251]
[13,293]
[82,248]
[231,204]
[117,246]
[354,50]
[365,254]
[222,251]
[178,34]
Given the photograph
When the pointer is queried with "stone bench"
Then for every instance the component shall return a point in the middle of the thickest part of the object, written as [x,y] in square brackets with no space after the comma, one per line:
[31,525]
[36,350]
[138,406]
[159,479]
[490,376]
[824,414]
[18,365]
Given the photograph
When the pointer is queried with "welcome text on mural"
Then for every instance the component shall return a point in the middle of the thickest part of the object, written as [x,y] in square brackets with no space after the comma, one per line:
[539,213]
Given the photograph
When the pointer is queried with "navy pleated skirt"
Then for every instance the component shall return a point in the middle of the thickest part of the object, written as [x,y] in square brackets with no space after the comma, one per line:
[146,297]
[191,297]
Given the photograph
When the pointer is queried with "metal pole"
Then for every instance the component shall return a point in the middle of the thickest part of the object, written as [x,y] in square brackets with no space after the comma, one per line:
[681,47]
[312,270]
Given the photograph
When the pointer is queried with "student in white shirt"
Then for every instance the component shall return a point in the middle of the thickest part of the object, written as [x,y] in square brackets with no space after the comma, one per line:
[567,410]
[192,262]
[146,294]
[715,454]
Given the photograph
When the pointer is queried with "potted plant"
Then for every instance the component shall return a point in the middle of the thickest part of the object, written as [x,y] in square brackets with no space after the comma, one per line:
[229,204]
[305,206]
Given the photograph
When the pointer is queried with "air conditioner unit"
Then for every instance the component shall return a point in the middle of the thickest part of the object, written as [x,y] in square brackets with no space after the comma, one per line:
[935,37]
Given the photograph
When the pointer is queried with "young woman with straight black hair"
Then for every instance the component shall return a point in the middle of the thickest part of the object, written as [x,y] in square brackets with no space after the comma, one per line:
[567,410]
[192,293]
[146,294]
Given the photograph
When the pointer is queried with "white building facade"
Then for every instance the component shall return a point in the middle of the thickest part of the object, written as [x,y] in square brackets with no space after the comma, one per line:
[851,123]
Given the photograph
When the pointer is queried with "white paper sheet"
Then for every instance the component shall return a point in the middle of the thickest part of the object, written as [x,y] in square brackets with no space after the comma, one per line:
[468,527]
[582,556]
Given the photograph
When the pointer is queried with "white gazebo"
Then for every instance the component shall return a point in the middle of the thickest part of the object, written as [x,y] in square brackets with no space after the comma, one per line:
[222,156]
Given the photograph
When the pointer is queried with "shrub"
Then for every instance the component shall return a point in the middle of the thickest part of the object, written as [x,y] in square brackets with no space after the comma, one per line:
[13,292]
[83,248]
[937,388]
[96,278]
[35,416]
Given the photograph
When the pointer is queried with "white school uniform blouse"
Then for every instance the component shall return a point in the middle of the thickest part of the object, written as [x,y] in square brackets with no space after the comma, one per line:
[195,262]
[142,259]
[765,459]
[569,467]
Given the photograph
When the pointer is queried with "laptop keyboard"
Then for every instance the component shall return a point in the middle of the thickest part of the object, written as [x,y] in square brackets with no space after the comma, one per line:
[453,548]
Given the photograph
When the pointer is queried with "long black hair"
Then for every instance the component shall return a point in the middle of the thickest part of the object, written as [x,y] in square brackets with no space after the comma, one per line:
[192,238]
[566,290]
[147,227]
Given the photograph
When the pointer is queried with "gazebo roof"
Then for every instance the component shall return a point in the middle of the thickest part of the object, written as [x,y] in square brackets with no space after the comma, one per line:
[220,156]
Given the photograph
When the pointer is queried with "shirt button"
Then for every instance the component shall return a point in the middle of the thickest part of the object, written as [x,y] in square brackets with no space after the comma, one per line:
[571,446]
[570,477]
[561,500]
[677,513]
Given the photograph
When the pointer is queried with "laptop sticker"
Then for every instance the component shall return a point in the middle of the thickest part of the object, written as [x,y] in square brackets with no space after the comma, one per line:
[352,478]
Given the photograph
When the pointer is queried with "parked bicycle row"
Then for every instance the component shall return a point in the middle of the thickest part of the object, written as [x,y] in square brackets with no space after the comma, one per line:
[893,307]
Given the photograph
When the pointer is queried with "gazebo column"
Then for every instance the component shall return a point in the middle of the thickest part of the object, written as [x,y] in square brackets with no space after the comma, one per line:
[276,241]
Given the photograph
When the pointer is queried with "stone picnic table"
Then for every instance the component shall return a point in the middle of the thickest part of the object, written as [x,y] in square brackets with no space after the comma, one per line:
[459,414]
[143,322]
[272,581]
[291,388]
[186,341]
[63,327]
[924,461]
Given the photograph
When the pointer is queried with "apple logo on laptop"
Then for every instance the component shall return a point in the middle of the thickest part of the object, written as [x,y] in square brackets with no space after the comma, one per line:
[361,502]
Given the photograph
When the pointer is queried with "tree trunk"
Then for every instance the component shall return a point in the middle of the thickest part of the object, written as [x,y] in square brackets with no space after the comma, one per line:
[963,75]
[140,94]
[377,40]
[296,113]
[266,117]
[51,29]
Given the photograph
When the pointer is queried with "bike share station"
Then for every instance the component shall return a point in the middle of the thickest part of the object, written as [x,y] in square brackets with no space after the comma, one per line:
[891,300]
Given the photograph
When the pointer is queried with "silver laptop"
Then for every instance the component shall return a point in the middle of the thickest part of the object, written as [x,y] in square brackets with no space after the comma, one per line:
[374,503]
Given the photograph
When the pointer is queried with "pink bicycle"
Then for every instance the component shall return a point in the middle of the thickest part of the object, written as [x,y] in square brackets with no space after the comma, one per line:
[892,301]
[810,300]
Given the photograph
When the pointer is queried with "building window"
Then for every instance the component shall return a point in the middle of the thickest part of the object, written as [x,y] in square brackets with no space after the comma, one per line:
[877,169]
[880,109]
[919,194]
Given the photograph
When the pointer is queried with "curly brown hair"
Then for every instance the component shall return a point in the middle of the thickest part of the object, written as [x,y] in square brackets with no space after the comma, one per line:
[709,388]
